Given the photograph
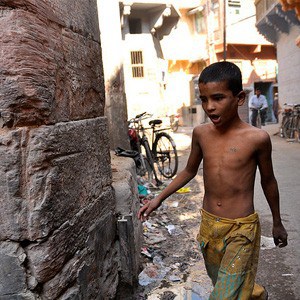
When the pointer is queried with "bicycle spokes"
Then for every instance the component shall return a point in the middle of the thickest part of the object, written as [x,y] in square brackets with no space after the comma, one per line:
[166,155]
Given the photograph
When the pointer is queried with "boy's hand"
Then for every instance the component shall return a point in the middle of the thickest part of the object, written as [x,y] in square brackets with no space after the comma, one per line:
[146,210]
[280,236]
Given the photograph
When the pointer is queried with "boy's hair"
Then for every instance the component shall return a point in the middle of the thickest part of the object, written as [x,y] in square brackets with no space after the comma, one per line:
[223,71]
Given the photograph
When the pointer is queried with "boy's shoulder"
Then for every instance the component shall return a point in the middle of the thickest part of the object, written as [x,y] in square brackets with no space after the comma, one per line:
[260,133]
[202,129]
[245,132]
[248,131]
[254,136]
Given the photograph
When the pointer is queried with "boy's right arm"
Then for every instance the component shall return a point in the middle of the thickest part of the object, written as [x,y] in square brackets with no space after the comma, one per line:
[179,181]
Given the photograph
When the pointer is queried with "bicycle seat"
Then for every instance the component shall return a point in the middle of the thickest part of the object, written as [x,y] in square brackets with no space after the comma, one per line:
[155,122]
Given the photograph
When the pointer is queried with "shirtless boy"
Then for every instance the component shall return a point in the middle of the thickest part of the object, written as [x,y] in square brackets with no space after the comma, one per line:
[231,150]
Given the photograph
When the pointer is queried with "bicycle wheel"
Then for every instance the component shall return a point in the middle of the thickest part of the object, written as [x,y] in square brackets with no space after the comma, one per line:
[150,174]
[298,129]
[165,155]
[147,168]
[283,123]
[258,120]
[174,126]
[288,129]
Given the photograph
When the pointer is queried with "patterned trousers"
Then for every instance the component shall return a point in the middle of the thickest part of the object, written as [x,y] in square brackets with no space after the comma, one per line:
[230,250]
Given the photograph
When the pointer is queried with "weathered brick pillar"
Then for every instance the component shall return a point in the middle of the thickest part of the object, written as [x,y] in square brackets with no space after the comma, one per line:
[57,222]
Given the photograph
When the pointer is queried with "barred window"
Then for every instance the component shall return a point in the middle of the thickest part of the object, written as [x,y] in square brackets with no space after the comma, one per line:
[137,64]
[234,6]
[234,3]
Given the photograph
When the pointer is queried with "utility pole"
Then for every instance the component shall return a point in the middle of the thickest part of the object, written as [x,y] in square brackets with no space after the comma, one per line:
[224,31]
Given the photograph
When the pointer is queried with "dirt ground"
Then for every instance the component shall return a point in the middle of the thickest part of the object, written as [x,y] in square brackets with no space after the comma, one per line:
[172,264]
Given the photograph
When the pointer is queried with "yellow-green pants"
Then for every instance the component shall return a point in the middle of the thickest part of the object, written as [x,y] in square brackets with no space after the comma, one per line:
[230,250]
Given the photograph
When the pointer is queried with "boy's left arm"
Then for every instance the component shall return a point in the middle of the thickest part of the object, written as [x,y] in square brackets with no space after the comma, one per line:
[270,188]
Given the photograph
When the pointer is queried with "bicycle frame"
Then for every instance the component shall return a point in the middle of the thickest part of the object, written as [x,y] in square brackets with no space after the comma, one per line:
[154,131]
[143,141]
[258,116]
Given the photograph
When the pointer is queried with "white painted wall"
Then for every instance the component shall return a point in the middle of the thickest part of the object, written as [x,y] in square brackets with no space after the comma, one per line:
[288,55]
[111,36]
[241,28]
[143,94]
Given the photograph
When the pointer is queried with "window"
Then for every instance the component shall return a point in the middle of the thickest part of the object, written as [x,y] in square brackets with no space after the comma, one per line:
[234,3]
[199,22]
[234,6]
[135,26]
[216,13]
[137,64]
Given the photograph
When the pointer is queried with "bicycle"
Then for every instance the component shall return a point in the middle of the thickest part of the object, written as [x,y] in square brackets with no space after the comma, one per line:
[157,156]
[174,122]
[258,123]
[290,125]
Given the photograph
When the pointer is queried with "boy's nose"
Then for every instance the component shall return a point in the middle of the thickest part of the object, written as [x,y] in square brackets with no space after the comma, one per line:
[210,106]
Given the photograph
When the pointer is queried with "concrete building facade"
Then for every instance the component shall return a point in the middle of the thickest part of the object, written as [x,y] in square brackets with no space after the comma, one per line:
[143,26]
[232,36]
[282,27]
[191,35]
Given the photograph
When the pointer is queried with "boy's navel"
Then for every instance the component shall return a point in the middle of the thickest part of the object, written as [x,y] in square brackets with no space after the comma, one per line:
[233,149]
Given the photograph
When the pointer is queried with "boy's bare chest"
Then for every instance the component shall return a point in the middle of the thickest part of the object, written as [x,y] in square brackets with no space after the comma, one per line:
[228,151]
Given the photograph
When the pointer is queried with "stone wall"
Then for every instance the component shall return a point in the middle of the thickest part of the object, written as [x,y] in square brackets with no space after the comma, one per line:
[58,226]
[130,229]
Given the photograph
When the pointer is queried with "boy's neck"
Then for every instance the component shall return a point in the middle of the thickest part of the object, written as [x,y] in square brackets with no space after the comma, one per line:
[229,126]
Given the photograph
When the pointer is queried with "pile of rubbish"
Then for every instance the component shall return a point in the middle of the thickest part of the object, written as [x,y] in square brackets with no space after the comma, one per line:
[170,249]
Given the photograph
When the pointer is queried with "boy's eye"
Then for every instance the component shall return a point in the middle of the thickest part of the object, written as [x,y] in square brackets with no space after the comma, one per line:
[218,97]
[203,99]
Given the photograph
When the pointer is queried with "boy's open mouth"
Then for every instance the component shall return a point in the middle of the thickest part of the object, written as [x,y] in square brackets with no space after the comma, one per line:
[215,118]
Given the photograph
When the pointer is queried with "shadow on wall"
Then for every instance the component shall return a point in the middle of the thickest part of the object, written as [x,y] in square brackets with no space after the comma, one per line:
[116,110]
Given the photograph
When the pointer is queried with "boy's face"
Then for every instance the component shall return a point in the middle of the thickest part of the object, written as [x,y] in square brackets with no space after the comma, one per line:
[219,103]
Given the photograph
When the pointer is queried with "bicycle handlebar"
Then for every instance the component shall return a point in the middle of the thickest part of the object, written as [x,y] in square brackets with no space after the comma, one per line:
[292,104]
[140,117]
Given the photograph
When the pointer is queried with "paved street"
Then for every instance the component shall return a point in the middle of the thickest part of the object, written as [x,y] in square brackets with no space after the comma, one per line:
[278,268]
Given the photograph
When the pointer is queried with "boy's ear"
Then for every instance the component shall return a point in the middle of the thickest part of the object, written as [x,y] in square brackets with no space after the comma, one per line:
[241,98]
